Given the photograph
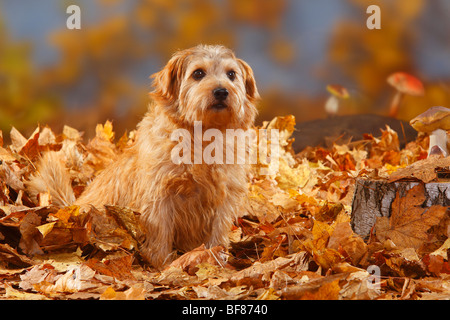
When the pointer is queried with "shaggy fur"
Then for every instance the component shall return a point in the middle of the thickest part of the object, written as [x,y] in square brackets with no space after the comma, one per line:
[182,205]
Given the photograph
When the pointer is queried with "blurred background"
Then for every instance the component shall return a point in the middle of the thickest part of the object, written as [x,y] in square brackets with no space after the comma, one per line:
[52,75]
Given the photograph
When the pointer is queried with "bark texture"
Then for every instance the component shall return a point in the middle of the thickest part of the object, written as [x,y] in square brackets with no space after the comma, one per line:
[373,198]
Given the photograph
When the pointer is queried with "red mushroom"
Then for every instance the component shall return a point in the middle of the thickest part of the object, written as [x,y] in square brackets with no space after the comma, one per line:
[405,84]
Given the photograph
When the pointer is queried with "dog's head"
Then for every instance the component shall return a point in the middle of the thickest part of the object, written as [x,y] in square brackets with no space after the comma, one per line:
[208,84]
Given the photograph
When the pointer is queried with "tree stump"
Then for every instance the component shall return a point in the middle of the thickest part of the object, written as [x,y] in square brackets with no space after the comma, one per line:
[373,198]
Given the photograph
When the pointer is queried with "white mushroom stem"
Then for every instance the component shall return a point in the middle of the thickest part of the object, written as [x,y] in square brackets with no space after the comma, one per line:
[395,104]
[332,105]
[439,138]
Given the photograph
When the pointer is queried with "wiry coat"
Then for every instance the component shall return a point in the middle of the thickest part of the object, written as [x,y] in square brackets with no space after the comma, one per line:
[181,205]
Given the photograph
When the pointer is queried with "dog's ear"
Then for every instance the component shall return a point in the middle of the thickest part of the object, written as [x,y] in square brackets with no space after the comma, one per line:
[250,83]
[166,83]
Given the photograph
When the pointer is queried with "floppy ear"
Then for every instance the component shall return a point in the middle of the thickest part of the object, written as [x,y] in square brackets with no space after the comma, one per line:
[250,83]
[167,82]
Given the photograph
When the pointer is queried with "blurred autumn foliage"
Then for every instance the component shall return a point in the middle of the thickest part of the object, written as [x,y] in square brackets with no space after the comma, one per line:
[368,57]
[24,99]
[94,77]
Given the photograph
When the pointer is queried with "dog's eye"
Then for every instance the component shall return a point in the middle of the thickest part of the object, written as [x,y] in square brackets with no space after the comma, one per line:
[198,74]
[231,75]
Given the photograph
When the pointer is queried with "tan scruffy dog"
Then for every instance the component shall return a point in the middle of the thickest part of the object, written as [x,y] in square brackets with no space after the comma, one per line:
[182,205]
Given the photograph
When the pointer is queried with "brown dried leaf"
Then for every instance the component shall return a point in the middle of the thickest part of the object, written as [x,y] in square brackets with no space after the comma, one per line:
[259,273]
[134,293]
[11,177]
[76,278]
[344,240]
[423,170]
[409,222]
[104,232]
[31,148]
[189,261]
[119,268]
[6,156]
[128,219]
[324,288]
[17,140]
[30,234]
[71,133]
[11,257]
[46,137]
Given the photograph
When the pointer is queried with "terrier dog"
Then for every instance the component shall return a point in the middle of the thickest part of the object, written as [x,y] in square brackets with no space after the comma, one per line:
[182,205]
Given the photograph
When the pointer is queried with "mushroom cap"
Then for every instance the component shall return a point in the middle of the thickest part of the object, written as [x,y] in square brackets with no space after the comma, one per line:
[406,83]
[432,119]
[338,91]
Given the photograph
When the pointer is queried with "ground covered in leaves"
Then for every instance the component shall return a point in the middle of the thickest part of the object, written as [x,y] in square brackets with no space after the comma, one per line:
[293,239]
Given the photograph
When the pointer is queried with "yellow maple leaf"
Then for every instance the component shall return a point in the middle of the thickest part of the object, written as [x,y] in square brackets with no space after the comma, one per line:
[105,131]
[46,228]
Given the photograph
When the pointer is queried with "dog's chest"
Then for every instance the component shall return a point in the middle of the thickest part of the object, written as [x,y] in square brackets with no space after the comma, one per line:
[207,183]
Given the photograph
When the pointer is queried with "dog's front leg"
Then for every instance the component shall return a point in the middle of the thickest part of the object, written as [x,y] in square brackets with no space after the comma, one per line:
[220,228]
[159,228]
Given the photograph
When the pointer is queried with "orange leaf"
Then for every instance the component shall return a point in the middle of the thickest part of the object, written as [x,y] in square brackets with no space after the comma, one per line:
[409,222]
[63,215]
[424,170]
[105,131]
[118,268]
[328,291]
[189,261]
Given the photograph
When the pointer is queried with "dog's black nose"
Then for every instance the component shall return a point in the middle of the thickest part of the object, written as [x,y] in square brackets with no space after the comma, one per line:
[220,93]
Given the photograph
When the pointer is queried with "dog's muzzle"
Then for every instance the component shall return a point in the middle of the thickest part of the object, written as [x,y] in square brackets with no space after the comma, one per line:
[221,95]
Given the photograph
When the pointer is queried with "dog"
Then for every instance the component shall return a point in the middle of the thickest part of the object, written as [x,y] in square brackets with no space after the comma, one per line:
[181,205]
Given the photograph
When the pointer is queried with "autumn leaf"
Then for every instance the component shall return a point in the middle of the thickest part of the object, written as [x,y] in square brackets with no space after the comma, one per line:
[64,214]
[443,250]
[46,228]
[119,268]
[104,232]
[423,170]
[76,278]
[328,291]
[17,140]
[101,149]
[321,234]
[191,259]
[323,256]
[133,293]
[10,256]
[292,239]
[327,258]
[71,133]
[436,264]
[128,219]
[345,241]
[31,148]
[409,221]
[323,288]
[11,293]
[105,131]
[260,273]
[29,241]
[329,211]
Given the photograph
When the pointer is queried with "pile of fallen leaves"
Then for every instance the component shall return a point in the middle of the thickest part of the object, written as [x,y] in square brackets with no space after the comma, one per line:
[293,239]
